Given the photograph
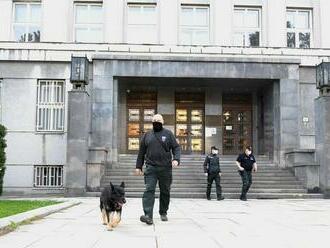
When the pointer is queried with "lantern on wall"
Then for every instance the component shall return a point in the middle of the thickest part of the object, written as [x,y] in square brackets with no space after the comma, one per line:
[323,75]
[79,72]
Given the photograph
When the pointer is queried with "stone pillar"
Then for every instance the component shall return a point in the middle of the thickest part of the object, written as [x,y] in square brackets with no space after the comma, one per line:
[322,140]
[77,143]
[255,122]
[213,114]
[166,106]
[288,113]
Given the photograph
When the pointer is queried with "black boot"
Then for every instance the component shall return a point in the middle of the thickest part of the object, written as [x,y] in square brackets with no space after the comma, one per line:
[146,219]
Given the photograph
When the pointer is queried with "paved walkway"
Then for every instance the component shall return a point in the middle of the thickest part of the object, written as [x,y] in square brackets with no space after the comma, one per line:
[193,223]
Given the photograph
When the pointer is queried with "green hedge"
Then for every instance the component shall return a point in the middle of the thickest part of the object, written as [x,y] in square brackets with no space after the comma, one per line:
[3,145]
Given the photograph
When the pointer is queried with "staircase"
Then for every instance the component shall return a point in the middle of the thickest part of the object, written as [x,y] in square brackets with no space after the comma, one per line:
[189,180]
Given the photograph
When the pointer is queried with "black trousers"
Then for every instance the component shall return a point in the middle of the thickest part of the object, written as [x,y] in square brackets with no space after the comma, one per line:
[210,179]
[247,181]
[152,175]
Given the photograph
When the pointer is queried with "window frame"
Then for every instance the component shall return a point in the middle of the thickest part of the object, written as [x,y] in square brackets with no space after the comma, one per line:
[157,25]
[193,27]
[48,105]
[26,24]
[246,30]
[87,25]
[296,31]
[39,183]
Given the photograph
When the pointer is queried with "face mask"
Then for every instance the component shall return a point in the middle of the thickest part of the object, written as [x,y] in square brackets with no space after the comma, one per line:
[249,153]
[214,151]
[157,126]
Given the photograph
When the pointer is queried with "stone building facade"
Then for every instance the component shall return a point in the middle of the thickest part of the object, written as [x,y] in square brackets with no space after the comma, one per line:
[227,73]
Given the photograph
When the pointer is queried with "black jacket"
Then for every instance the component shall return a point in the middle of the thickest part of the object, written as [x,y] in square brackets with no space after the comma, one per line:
[152,152]
[246,161]
[212,164]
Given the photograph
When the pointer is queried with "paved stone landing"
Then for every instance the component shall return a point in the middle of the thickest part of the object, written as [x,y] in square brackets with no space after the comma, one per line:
[193,223]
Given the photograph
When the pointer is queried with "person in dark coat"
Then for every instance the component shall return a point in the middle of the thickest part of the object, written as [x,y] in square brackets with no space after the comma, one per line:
[213,172]
[159,151]
[246,163]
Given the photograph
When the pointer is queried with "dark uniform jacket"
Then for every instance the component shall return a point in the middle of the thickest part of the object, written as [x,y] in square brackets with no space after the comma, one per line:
[212,164]
[246,161]
[158,149]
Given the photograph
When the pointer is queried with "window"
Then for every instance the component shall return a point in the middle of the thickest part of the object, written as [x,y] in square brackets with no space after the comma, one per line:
[88,23]
[48,176]
[50,106]
[142,23]
[299,28]
[247,27]
[194,25]
[27,22]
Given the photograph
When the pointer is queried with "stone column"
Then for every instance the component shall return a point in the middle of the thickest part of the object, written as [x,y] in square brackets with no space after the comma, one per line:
[322,140]
[77,142]
[213,114]
[166,106]
[288,114]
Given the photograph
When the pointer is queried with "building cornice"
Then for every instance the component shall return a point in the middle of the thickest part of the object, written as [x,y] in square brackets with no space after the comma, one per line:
[62,52]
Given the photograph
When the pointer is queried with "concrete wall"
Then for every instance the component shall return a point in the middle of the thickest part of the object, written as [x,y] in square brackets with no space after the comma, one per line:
[56,29]
[19,116]
[308,92]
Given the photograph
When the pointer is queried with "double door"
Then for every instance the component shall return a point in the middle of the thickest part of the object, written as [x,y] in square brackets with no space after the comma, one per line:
[189,121]
[237,123]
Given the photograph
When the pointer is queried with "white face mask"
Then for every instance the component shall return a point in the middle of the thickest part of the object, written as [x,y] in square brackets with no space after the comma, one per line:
[214,151]
[249,153]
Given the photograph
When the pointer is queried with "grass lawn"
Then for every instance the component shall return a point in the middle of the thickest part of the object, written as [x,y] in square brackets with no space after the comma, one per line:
[12,207]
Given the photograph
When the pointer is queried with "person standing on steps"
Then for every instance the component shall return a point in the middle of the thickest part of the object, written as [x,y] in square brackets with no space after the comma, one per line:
[213,172]
[161,152]
[246,163]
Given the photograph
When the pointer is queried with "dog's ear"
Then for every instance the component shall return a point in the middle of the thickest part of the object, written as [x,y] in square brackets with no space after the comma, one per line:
[122,184]
[112,187]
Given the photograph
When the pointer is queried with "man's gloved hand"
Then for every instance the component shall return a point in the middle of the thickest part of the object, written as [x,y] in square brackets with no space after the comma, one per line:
[138,172]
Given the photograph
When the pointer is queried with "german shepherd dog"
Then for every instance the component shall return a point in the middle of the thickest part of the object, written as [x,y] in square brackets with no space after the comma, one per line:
[111,202]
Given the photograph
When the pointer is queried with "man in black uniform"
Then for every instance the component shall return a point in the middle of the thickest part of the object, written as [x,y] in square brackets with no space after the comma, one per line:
[160,151]
[213,172]
[246,164]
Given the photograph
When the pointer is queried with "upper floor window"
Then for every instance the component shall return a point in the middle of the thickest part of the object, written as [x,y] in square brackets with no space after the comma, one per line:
[50,106]
[194,25]
[247,27]
[88,23]
[142,23]
[299,28]
[27,22]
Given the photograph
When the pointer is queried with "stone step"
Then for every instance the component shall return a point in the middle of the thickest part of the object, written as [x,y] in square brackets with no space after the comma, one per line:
[199,164]
[227,195]
[203,178]
[201,172]
[227,190]
[179,184]
[189,180]
[195,156]
[185,161]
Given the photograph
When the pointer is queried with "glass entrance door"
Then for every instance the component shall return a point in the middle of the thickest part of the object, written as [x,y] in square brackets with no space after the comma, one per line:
[190,129]
[139,122]
[237,124]
[141,106]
